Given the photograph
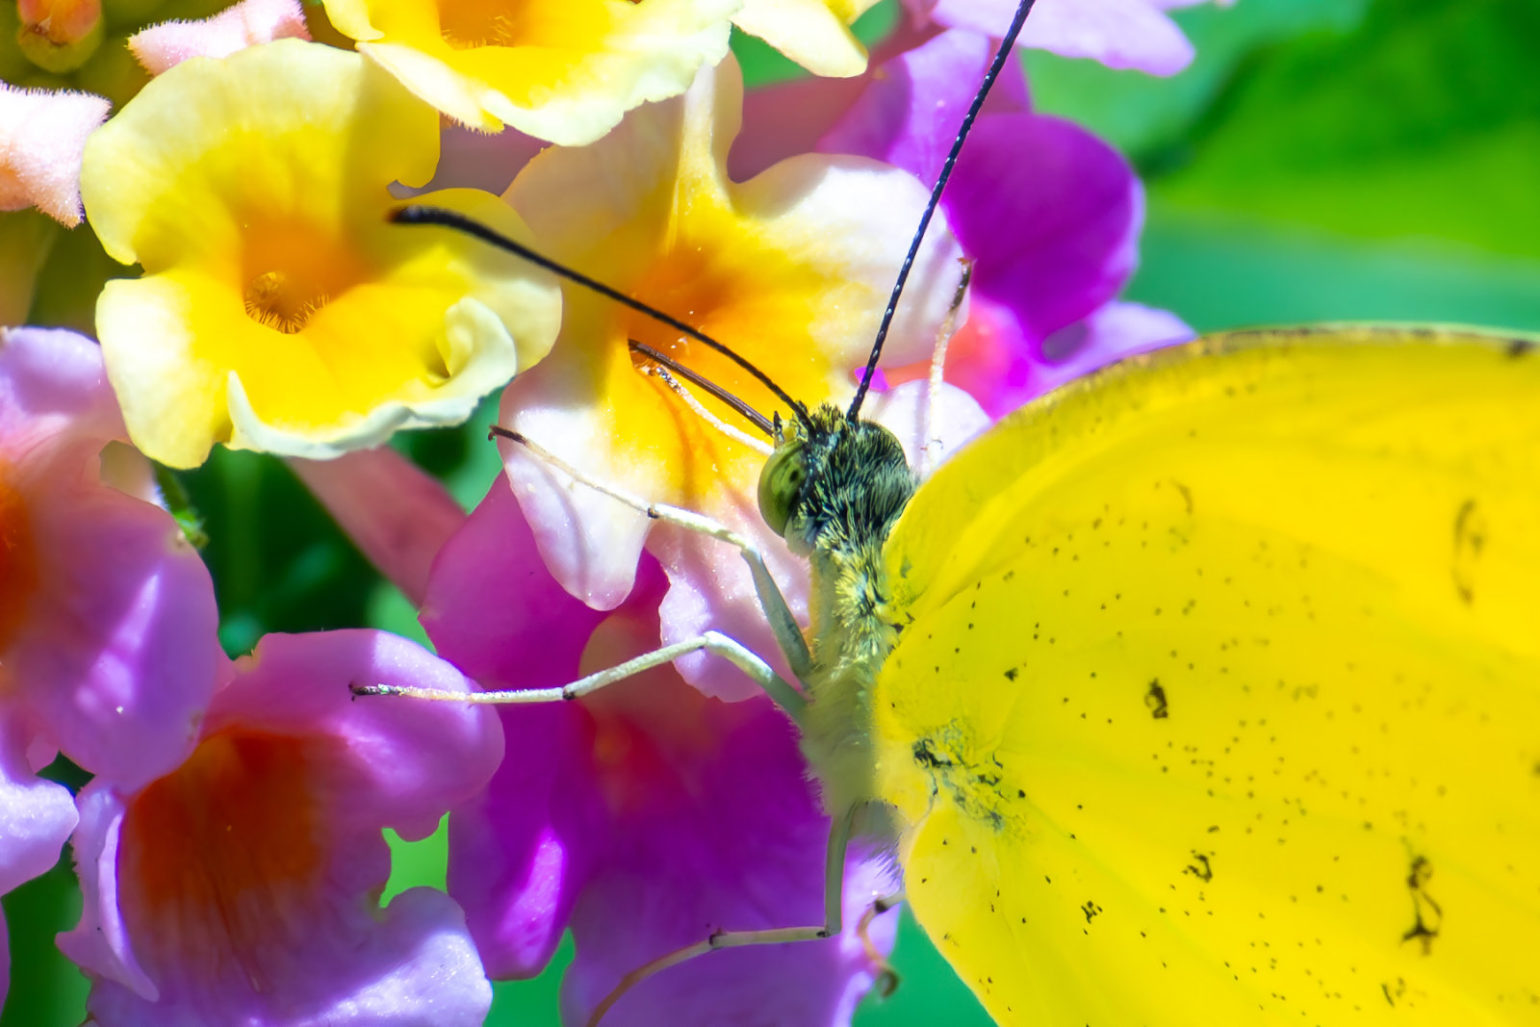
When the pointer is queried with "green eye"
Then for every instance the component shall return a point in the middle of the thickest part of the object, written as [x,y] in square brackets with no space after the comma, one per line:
[779,484]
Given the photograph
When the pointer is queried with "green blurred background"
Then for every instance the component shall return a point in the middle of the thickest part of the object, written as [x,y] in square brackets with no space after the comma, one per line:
[1321,159]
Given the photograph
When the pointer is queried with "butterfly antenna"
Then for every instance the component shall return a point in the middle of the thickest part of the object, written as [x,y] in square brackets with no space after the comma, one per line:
[420,214]
[743,410]
[1001,55]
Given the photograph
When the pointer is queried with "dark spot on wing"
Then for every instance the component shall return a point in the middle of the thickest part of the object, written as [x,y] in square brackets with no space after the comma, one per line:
[1155,699]
[1010,675]
[1427,915]
[1202,870]
[1470,537]
[1520,348]
[1186,496]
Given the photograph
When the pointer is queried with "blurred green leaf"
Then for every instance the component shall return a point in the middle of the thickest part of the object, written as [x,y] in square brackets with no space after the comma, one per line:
[279,561]
[1148,118]
[46,989]
[1424,122]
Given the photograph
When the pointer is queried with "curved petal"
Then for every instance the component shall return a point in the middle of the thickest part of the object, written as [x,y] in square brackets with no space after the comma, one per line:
[563,70]
[1056,251]
[107,628]
[814,33]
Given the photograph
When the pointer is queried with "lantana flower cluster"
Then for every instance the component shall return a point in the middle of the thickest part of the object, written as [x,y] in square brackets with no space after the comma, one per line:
[241,166]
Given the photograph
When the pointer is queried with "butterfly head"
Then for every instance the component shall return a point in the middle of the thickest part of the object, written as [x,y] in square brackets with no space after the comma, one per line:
[833,481]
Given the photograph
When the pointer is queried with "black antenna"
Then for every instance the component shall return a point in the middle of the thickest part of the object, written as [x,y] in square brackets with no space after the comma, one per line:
[745,411]
[418,214]
[1006,43]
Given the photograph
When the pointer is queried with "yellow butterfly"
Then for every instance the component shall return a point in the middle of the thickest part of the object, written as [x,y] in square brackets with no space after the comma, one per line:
[1206,689]
[1203,690]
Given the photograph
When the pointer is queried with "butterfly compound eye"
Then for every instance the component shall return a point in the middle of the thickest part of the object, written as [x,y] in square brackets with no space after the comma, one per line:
[779,485]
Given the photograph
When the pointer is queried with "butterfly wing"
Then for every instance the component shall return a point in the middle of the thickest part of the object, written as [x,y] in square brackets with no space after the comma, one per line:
[1217,697]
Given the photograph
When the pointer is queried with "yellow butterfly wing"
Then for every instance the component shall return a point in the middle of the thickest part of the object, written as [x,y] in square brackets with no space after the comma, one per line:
[1217,697]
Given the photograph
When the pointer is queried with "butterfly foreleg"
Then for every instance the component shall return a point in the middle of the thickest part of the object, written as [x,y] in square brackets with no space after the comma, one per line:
[833,899]
[787,632]
[760,672]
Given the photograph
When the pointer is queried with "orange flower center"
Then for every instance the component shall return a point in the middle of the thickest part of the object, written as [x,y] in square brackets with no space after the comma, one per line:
[290,270]
[717,301]
[467,24]
[18,561]
[226,843]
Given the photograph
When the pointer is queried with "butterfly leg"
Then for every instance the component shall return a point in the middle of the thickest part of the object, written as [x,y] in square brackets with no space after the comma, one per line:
[834,886]
[712,641]
[887,978]
[787,632]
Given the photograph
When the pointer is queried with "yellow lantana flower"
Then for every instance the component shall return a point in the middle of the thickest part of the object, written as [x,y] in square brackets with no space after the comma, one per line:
[791,269]
[279,309]
[562,70]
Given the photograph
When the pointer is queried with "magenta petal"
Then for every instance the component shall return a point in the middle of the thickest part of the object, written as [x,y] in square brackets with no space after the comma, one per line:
[909,113]
[1050,213]
[494,609]
[517,853]
[738,844]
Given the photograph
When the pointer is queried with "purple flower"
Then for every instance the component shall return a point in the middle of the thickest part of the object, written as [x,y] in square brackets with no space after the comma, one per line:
[1049,213]
[107,620]
[243,886]
[643,817]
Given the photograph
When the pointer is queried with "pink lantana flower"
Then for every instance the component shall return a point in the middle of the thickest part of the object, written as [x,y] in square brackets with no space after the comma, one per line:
[1049,214]
[791,269]
[42,136]
[243,887]
[643,817]
[248,23]
[1134,34]
[107,620]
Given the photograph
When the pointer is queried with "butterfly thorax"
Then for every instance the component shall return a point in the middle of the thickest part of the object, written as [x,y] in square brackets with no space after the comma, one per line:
[834,488]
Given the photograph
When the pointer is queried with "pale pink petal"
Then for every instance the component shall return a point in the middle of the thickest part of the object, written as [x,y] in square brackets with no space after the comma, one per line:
[42,136]
[248,23]
[930,427]
[398,515]
[1132,34]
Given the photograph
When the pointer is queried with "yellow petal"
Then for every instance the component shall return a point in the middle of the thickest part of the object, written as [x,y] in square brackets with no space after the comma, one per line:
[814,33]
[562,70]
